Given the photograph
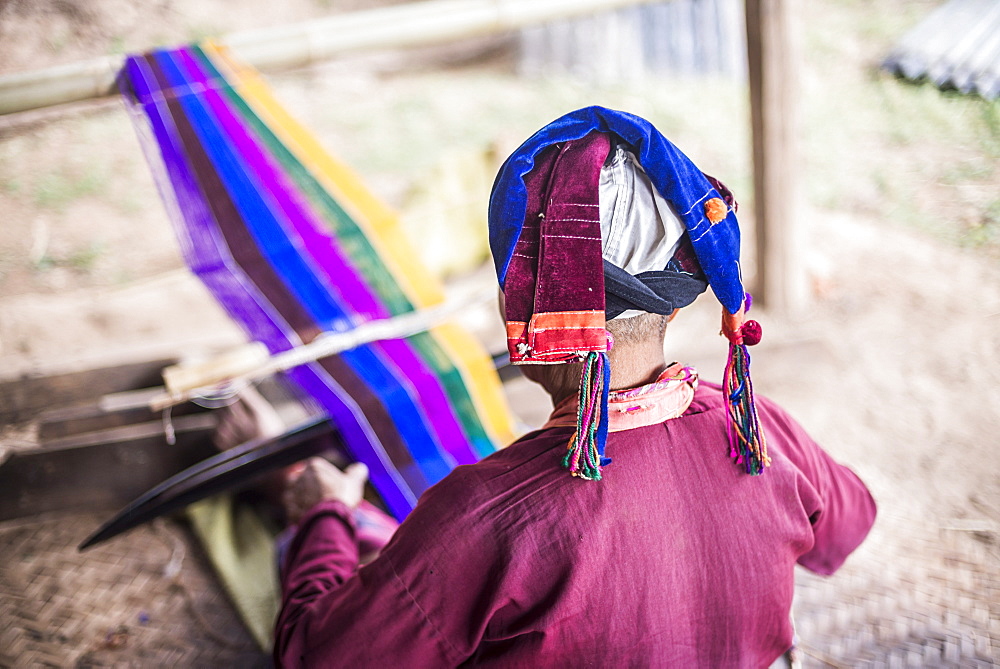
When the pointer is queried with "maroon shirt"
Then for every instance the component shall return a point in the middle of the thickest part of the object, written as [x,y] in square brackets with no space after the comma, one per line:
[675,559]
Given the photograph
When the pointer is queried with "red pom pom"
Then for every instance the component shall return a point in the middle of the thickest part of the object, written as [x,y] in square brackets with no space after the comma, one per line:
[751,332]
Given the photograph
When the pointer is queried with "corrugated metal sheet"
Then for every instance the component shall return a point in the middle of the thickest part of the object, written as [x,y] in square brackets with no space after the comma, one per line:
[956,46]
[680,36]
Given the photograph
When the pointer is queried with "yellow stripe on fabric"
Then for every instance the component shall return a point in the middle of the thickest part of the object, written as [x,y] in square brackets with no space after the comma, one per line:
[378,220]
[481,378]
[383,230]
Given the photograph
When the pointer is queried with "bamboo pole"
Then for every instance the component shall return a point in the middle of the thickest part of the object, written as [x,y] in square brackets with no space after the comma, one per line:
[249,364]
[408,25]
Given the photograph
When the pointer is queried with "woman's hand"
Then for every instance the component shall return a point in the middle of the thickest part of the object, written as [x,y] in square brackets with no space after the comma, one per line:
[319,481]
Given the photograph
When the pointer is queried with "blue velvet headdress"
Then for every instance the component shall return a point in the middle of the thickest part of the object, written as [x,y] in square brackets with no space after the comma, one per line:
[708,213]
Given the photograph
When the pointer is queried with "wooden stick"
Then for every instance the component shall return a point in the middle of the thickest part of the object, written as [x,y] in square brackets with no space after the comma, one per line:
[250,364]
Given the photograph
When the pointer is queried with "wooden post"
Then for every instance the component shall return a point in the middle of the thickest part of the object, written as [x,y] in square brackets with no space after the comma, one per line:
[772,58]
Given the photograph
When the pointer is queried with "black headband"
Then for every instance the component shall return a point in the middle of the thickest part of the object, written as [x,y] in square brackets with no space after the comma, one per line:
[657,292]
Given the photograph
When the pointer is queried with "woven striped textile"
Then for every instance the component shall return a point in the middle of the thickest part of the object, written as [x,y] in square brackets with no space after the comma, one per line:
[292,245]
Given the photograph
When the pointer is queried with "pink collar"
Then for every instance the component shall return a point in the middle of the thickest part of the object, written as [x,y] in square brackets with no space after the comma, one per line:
[667,397]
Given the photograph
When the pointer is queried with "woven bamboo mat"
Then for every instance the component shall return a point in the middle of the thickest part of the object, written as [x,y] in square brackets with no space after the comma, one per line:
[912,596]
[146,599]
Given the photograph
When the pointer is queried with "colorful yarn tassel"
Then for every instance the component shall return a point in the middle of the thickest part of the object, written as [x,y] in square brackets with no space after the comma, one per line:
[585,455]
[747,444]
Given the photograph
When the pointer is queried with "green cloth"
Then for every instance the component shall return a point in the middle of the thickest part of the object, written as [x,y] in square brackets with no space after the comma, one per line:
[241,547]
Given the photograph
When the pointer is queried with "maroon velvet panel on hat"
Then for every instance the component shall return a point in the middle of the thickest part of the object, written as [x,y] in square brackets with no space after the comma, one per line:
[555,282]
[571,276]
[519,289]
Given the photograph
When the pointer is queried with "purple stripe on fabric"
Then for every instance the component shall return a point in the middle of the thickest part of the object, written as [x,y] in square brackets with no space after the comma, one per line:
[206,250]
[394,491]
[340,277]
[241,245]
[380,419]
[237,236]
[236,295]
[425,386]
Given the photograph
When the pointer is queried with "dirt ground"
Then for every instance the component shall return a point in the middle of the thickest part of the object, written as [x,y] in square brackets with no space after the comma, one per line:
[894,365]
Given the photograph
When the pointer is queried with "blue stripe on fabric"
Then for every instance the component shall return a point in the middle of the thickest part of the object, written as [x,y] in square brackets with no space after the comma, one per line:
[397,495]
[275,246]
[327,257]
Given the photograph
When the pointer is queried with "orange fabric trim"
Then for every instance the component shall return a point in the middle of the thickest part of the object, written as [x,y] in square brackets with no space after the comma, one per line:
[557,336]
[517,330]
[569,340]
[567,319]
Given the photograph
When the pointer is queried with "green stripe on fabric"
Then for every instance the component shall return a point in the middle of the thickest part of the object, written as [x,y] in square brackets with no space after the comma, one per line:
[356,245]
[439,361]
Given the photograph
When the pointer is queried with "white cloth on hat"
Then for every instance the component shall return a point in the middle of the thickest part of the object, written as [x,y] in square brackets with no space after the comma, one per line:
[640,231]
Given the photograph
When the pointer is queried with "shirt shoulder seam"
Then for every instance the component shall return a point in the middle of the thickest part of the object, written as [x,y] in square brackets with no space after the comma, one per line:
[423,614]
